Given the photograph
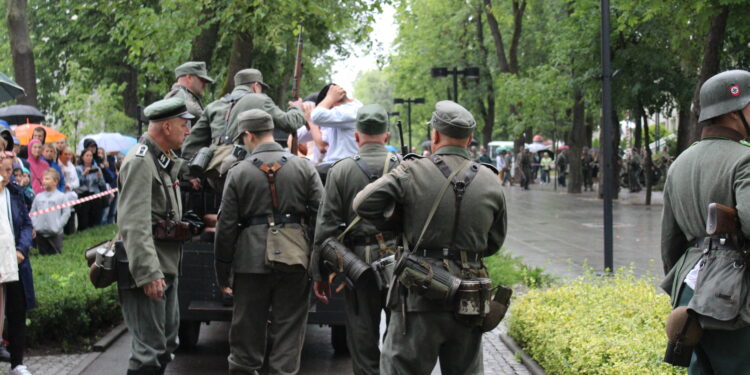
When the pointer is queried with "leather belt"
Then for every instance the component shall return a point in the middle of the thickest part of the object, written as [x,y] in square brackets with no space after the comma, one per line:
[448,254]
[714,243]
[277,219]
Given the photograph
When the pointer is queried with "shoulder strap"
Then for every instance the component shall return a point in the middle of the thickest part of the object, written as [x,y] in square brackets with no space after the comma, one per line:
[363,166]
[270,170]
[232,101]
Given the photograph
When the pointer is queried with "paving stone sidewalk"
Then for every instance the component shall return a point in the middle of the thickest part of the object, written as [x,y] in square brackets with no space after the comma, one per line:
[52,364]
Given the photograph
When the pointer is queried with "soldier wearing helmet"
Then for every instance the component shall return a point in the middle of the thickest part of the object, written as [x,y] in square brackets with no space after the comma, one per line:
[714,170]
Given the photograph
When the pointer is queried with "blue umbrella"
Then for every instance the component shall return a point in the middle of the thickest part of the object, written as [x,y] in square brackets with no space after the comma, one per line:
[391,148]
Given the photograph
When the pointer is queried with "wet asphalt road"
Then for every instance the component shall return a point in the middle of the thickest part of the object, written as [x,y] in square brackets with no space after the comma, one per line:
[562,233]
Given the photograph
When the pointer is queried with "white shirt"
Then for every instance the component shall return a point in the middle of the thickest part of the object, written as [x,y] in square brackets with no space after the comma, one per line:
[500,162]
[8,263]
[304,136]
[341,121]
[70,174]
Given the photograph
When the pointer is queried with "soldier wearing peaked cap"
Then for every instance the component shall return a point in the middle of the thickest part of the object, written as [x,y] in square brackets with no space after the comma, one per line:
[149,192]
[211,130]
[192,79]
[262,248]
[366,300]
[428,325]
[714,170]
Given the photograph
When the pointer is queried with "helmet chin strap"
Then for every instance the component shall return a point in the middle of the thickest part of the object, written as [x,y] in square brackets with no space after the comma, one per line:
[744,123]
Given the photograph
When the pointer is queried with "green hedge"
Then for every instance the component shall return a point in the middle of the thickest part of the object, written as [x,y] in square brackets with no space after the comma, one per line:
[611,325]
[70,312]
[505,269]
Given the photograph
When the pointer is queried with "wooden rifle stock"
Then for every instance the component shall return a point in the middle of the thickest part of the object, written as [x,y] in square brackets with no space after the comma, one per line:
[721,220]
[295,87]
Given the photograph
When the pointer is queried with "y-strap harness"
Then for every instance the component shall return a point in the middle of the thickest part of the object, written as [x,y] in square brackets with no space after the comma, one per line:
[271,170]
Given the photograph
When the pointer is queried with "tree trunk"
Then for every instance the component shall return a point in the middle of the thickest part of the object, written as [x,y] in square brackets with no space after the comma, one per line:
[710,64]
[240,58]
[638,128]
[576,141]
[205,42]
[647,162]
[21,50]
[519,7]
[130,94]
[684,132]
[497,37]
[488,111]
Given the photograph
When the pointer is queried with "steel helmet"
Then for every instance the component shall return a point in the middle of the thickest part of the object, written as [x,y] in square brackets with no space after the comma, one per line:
[724,93]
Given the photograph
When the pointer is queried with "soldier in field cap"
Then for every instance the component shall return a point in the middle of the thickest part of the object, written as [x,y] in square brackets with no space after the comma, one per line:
[365,301]
[149,192]
[472,224]
[261,250]
[192,79]
[714,170]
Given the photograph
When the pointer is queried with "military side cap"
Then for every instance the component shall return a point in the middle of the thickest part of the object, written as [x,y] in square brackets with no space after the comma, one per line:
[246,76]
[254,120]
[196,68]
[452,120]
[166,109]
[372,119]
[724,93]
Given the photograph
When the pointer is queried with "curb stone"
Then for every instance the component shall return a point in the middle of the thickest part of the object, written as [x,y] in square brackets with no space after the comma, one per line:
[530,364]
[109,338]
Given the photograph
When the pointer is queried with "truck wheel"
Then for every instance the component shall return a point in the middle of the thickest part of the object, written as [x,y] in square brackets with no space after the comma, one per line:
[189,332]
[338,339]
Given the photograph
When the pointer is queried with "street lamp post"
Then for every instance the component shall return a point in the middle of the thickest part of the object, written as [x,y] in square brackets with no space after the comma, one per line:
[409,102]
[470,72]
[607,136]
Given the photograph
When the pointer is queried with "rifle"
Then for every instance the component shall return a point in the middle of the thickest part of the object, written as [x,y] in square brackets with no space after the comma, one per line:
[295,86]
[404,150]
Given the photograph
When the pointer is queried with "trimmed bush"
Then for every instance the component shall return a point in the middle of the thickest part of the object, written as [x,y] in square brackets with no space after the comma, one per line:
[610,325]
[505,269]
[70,312]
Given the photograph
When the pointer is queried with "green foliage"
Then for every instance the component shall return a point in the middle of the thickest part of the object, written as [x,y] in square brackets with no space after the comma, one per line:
[372,87]
[70,311]
[505,269]
[595,326]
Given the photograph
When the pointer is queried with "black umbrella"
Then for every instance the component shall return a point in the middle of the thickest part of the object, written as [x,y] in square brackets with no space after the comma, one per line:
[9,90]
[20,114]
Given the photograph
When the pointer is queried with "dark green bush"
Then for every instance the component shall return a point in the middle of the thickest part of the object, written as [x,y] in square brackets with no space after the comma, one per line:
[70,312]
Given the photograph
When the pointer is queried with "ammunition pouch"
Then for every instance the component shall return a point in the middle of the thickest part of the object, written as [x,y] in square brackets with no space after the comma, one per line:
[683,334]
[172,230]
[199,162]
[342,260]
[432,282]
[287,248]
[498,308]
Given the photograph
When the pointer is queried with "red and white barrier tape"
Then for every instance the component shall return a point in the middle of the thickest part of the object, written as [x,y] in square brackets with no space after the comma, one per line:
[72,203]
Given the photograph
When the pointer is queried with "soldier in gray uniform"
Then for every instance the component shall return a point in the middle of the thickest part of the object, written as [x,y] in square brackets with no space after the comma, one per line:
[471,225]
[212,126]
[714,170]
[364,302]
[192,79]
[262,249]
[148,193]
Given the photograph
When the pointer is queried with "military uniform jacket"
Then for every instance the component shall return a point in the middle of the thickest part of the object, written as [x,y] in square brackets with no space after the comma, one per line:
[345,179]
[142,202]
[716,169]
[287,121]
[212,123]
[192,101]
[414,185]
[247,194]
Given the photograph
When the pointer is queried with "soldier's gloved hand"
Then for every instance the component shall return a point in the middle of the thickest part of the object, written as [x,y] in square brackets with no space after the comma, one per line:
[322,290]
[223,273]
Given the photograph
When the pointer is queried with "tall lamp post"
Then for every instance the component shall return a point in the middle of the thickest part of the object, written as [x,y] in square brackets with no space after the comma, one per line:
[607,136]
[470,72]
[409,102]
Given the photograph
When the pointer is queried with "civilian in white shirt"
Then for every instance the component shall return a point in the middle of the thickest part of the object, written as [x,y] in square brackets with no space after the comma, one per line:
[337,112]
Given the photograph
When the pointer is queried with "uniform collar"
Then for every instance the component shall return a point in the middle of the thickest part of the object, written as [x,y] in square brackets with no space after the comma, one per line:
[267,147]
[453,150]
[187,90]
[372,147]
[720,132]
[164,160]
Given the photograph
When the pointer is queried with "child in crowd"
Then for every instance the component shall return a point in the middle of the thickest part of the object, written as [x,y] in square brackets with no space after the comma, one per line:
[49,226]
[49,153]
[22,177]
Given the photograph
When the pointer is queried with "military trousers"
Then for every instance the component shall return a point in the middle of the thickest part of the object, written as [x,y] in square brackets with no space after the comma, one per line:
[431,336]
[364,304]
[281,298]
[153,325]
[719,352]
